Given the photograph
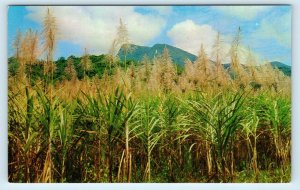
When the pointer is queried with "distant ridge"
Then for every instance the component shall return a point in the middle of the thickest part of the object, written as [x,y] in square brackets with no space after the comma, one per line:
[286,69]
[179,56]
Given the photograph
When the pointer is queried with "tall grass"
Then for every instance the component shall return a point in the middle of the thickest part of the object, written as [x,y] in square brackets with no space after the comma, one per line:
[150,123]
[118,137]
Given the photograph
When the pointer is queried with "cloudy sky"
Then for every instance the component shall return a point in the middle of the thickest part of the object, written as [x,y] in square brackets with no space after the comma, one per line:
[266,30]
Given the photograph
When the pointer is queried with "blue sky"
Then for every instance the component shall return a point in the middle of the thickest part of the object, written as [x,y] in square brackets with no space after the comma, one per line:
[266,30]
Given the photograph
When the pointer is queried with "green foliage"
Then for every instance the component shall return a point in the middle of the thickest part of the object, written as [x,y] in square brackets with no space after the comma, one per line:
[13,66]
[61,64]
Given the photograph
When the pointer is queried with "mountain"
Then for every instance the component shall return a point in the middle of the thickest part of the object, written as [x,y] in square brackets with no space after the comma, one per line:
[286,69]
[177,55]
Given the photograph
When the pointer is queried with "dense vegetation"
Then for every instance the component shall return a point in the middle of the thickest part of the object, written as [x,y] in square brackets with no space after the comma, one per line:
[97,119]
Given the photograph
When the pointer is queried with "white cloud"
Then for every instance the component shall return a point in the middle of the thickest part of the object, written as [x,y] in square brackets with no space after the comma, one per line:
[242,12]
[189,36]
[278,29]
[95,27]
